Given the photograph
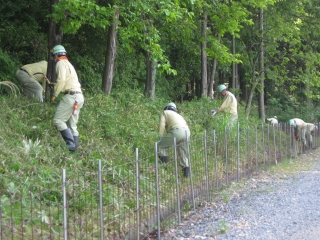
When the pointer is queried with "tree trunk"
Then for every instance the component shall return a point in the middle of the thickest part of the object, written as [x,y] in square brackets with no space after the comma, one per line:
[150,87]
[204,70]
[254,80]
[213,73]
[237,83]
[261,92]
[212,76]
[253,87]
[53,39]
[233,63]
[110,54]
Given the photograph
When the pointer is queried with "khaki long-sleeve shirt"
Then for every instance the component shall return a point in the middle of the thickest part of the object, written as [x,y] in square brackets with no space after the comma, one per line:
[67,78]
[170,119]
[229,104]
[38,71]
[310,127]
[299,122]
[273,121]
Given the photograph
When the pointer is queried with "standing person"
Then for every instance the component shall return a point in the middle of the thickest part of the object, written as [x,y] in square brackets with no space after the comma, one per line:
[66,117]
[176,127]
[30,76]
[229,104]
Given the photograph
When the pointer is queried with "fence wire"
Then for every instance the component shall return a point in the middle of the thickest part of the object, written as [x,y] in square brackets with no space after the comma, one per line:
[138,199]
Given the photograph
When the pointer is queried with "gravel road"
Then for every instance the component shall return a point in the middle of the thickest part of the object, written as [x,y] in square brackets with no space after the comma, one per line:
[279,206]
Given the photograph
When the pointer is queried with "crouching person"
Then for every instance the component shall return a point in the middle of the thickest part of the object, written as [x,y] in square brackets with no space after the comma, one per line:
[176,127]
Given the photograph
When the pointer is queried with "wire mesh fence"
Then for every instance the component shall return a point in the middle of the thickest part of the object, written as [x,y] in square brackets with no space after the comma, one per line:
[138,199]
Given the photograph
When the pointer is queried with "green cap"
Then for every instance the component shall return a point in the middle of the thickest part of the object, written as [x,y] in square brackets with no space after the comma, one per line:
[171,105]
[221,88]
[58,49]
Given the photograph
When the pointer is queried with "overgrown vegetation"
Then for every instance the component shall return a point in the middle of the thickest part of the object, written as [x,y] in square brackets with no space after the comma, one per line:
[111,128]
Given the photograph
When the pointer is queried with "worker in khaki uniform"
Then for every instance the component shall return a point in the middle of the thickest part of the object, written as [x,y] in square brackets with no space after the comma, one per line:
[66,117]
[310,129]
[228,106]
[273,121]
[300,128]
[30,76]
[176,127]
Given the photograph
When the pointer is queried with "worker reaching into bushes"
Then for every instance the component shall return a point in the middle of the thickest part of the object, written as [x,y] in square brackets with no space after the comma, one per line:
[228,106]
[310,129]
[30,76]
[176,127]
[300,128]
[67,114]
[273,121]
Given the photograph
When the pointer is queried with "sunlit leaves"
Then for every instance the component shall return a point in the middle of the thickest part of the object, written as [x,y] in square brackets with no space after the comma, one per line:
[75,13]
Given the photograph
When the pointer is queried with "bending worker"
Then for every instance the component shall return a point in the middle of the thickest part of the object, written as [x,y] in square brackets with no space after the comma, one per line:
[176,127]
[66,117]
[29,76]
[229,104]
[273,121]
[310,129]
[300,128]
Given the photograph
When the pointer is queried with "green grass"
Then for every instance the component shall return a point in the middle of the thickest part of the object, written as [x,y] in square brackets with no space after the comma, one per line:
[33,155]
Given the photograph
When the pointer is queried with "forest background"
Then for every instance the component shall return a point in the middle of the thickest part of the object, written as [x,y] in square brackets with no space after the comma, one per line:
[133,57]
[267,51]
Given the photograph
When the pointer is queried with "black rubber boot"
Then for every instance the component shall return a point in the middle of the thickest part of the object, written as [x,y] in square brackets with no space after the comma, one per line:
[68,138]
[164,159]
[76,141]
[186,171]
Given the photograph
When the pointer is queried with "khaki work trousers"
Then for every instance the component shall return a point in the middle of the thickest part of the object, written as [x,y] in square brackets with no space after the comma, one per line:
[30,87]
[182,135]
[63,117]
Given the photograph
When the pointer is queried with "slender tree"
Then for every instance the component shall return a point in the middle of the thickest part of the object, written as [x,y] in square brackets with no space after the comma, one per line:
[261,92]
[110,54]
[55,35]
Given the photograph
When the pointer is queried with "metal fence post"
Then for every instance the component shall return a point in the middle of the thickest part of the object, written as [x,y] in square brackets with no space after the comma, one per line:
[157,189]
[268,126]
[248,151]
[137,194]
[206,164]
[280,141]
[0,219]
[191,177]
[65,205]
[226,152]
[274,144]
[215,156]
[177,179]
[263,147]
[257,165]
[100,200]
[238,151]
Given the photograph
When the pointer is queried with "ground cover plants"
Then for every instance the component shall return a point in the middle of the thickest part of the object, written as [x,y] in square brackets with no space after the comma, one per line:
[111,128]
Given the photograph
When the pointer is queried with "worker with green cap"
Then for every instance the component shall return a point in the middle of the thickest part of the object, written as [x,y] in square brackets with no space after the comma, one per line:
[176,127]
[229,104]
[67,114]
[30,76]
